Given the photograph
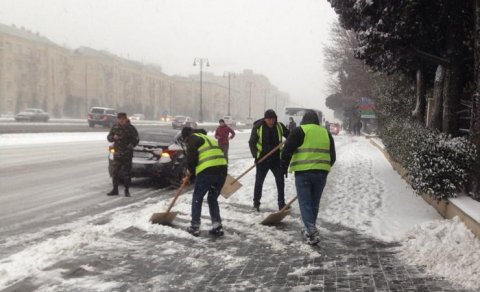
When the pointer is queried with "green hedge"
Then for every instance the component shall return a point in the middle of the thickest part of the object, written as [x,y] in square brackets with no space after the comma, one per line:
[437,164]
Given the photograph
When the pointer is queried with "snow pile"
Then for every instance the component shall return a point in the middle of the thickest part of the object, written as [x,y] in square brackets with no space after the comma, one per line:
[446,248]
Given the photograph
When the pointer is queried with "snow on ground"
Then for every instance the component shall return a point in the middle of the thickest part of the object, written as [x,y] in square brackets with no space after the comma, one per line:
[48,138]
[363,192]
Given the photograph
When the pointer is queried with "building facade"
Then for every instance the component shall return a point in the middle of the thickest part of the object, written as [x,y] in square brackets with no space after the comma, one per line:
[35,72]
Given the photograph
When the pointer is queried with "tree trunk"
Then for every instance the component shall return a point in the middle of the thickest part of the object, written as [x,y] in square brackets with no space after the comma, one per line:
[436,120]
[419,112]
[475,125]
[454,77]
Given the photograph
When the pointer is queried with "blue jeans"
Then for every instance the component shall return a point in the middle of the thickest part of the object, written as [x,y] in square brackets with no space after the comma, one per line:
[207,183]
[309,190]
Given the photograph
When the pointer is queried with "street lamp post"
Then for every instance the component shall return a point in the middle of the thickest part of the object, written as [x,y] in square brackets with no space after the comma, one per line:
[265,100]
[201,61]
[250,83]
[229,75]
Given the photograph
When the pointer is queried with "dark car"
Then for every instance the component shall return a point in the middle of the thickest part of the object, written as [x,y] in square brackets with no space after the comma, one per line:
[32,115]
[103,116]
[159,155]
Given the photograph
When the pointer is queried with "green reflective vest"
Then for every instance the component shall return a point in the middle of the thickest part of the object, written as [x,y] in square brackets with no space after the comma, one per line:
[314,153]
[209,154]
[260,137]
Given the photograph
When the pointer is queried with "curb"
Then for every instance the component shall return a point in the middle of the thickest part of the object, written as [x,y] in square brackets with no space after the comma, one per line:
[447,209]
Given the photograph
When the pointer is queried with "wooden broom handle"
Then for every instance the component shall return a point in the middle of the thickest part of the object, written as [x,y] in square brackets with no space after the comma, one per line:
[180,189]
[255,164]
[288,204]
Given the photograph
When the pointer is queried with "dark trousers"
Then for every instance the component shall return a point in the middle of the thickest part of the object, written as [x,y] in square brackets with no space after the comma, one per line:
[211,183]
[224,148]
[121,170]
[262,170]
[310,187]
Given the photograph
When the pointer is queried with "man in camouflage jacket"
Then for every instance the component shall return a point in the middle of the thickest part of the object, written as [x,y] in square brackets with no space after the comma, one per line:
[125,138]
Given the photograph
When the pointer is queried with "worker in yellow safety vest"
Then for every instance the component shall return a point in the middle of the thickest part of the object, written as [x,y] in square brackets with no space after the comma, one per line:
[208,168]
[310,152]
[267,133]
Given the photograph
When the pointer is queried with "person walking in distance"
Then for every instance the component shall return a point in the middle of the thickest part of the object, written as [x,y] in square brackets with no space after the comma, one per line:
[291,124]
[124,137]
[310,152]
[208,168]
[224,134]
[266,134]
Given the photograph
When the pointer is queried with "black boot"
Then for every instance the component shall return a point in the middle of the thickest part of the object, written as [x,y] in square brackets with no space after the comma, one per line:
[127,192]
[113,192]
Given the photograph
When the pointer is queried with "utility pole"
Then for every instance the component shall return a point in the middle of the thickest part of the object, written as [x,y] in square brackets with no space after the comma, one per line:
[201,61]
[171,99]
[250,83]
[265,100]
[229,75]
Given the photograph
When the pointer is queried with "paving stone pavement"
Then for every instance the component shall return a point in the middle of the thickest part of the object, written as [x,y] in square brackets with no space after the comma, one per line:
[243,261]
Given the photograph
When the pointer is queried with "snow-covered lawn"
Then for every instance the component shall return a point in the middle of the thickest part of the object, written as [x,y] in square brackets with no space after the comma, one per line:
[363,192]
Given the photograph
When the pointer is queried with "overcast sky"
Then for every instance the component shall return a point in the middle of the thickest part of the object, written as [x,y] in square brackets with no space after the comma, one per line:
[282,39]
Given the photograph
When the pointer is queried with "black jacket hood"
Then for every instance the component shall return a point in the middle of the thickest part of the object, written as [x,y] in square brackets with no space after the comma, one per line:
[310,117]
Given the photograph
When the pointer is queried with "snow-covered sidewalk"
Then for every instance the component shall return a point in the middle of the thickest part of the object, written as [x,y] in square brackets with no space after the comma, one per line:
[375,232]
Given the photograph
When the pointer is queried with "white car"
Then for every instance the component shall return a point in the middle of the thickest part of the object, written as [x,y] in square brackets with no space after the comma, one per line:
[137,117]
[229,121]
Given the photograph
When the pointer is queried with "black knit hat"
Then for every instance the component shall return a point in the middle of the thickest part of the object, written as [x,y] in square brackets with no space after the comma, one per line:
[122,115]
[187,131]
[270,114]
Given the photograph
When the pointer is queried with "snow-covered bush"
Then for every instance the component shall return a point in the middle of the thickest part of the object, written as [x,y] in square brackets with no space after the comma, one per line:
[437,164]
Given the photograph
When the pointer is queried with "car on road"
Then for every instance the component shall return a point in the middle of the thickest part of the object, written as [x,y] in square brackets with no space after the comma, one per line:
[137,117]
[159,155]
[32,115]
[230,121]
[103,116]
[335,128]
[249,121]
[179,122]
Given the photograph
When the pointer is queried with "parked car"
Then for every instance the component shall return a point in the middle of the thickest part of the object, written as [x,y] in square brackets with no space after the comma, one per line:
[32,115]
[159,155]
[229,121]
[103,116]
[137,117]
[335,128]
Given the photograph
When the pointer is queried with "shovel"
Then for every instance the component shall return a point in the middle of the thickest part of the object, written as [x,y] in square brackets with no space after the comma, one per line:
[231,184]
[167,217]
[277,217]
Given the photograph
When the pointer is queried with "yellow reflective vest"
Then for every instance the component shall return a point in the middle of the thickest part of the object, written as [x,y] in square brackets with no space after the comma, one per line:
[260,137]
[209,154]
[314,153]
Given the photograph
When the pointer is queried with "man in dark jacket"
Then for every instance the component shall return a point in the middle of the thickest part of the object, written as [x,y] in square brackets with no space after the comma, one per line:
[310,151]
[207,165]
[267,134]
[125,138]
